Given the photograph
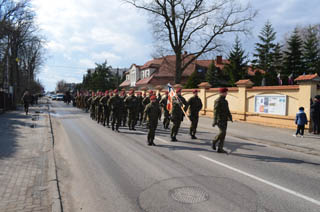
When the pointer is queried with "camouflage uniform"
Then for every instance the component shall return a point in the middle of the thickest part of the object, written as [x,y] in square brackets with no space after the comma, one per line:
[105,109]
[195,105]
[177,115]
[140,109]
[166,120]
[221,116]
[114,104]
[131,103]
[124,111]
[152,114]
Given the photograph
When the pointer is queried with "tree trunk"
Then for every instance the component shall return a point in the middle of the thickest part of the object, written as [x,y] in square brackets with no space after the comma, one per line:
[178,76]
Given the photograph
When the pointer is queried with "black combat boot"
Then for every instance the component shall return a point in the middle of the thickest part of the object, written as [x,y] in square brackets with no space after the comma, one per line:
[193,137]
[113,127]
[222,151]
[214,145]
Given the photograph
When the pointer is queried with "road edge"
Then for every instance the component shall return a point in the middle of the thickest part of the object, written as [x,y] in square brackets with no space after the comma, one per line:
[56,200]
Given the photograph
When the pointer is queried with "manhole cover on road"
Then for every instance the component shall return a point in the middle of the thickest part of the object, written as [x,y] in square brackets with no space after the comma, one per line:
[189,194]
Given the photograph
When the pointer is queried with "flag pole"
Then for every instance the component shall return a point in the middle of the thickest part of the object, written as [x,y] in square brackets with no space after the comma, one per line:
[175,95]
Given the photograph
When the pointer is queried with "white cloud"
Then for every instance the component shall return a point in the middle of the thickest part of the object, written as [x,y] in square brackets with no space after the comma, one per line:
[87,63]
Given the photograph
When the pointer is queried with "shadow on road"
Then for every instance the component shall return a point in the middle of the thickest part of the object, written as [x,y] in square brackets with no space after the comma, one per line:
[274,159]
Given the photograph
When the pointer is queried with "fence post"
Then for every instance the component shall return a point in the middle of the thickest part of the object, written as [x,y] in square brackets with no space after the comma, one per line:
[204,86]
[242,90]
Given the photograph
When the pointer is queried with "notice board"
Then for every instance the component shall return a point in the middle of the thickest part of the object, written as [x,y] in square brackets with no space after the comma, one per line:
[271,104]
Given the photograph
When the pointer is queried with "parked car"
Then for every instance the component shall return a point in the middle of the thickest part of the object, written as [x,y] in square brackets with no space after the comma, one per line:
[54,97]
[60,97]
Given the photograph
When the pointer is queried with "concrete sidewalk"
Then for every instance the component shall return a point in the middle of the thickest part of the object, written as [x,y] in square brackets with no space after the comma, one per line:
[280,137]
[25,143]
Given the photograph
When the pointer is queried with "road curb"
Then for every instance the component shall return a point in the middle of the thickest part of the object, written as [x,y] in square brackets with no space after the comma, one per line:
[55,195]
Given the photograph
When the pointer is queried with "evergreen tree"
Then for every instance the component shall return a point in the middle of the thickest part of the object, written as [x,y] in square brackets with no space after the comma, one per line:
[215,76]
[193,81]
[102,79]
[265,54]
[293,62]
[311,52]
[237,68]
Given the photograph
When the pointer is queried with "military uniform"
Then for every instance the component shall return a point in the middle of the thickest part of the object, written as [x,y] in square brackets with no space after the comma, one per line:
[105,109]
[152,114]
[221,116]
[194,104]
[131,103]
[115,107]
[124,111]
[166,114]
[140,109]
[177,114]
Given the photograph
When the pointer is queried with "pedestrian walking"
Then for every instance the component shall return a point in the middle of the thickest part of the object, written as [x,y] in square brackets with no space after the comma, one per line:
[301,121]
[152,113]
[26,99]
[221,116]
[315,114]
[194,104]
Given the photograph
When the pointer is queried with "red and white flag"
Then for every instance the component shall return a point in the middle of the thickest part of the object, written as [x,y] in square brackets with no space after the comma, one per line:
[170,98]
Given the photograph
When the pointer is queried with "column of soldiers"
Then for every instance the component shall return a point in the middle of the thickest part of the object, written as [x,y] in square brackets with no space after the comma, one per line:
[110,108]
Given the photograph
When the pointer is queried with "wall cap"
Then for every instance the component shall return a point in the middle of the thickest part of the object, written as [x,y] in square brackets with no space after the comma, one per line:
[244,83]
[309,77]
[204,85]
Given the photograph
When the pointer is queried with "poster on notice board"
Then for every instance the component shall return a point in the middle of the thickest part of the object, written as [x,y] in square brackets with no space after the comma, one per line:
[271,104]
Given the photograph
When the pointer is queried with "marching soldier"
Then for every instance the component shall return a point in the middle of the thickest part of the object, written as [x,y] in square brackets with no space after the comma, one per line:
[87,103]
[177,113]
[140,108]
[92,106]
[131,103]
[124,112]
[115,106]
[194,104]
[98,108]
[163,103]
[221,117]
[105,108]
[152,114]
[146,101]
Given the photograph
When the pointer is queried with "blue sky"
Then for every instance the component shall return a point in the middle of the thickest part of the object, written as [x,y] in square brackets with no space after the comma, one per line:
[80,33]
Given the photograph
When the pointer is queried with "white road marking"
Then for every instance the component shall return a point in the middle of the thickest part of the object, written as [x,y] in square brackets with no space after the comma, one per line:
[160,139]
[263,181]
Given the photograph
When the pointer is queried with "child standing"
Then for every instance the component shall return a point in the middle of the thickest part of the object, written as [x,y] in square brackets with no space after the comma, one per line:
[301,120]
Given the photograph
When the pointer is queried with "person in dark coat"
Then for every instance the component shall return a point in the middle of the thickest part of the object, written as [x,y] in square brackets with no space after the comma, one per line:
[152,114]
[194,104]
[301,121]
[26,99]
[221,116]
[315,114]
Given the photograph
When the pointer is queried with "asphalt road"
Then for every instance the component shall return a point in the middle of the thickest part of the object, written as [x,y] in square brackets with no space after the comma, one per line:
[102,170]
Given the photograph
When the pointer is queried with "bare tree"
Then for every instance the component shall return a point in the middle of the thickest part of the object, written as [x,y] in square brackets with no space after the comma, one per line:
[194,25]
[61,86]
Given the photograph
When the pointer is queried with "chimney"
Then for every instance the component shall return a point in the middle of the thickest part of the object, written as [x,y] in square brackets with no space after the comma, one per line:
[219,60]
